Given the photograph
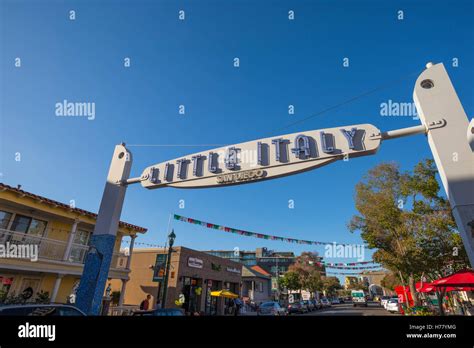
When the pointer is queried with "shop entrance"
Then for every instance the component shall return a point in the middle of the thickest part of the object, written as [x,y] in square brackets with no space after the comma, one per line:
[192,288]
[212,302]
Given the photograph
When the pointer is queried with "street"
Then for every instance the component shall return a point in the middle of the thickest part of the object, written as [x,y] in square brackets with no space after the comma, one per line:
[346,309]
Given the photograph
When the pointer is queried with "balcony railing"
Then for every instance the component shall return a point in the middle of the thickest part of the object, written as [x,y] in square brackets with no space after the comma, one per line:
[51,249]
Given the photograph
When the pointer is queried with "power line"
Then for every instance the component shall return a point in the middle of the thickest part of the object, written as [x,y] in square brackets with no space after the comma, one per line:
[350,100]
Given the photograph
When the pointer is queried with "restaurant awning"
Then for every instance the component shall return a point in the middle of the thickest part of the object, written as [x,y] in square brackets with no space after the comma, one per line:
[463,279]
[224,293]
[425,287]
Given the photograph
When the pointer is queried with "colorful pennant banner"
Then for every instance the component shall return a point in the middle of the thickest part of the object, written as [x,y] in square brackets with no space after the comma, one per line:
[346,273]
[145,244]
[248,233]
[337,264]
[354,268]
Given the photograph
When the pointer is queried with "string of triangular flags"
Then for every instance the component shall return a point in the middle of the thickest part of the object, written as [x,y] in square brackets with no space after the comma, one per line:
[354,268]
[145,244]
[346,273]
[248,233]
[337,264]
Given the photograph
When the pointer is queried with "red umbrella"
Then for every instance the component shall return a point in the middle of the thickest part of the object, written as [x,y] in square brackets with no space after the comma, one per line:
[425,287]
[463,279]
[429,287]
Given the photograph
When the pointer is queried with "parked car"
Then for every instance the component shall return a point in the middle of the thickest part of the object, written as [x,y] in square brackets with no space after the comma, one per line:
[347,299]
[160,312]
[41,310]
[310,305]
[393,306]
[386,303]
[335,300]
[297,307]
[317,304]
[384,300]
[325,302]
[271,308]
[341,300]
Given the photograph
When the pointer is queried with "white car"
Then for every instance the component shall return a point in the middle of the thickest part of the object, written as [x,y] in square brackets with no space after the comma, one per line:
[388,300]
[384,300]
[393,305]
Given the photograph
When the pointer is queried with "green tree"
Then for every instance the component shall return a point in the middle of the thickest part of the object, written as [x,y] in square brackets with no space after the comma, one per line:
[291,281]
[308,268]
[403,216]
[313,282]
[331,284]
[389,281]
[357,285]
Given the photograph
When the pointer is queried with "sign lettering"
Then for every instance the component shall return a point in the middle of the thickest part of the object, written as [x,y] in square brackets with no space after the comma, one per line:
[264,159]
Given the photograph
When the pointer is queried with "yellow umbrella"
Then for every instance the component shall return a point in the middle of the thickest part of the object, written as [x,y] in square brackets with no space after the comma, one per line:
[224,293]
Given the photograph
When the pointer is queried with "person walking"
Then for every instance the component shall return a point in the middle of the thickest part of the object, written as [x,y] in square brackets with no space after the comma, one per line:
[145,305]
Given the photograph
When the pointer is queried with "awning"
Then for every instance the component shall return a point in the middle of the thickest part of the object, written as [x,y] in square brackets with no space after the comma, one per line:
[425,287]
[224,293]
[464,280]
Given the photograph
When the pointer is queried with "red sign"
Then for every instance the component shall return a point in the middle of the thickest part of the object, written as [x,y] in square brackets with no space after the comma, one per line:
[7,281]
[401,295]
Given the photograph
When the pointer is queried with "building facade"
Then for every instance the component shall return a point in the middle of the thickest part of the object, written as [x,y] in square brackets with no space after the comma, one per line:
[57,235]
[256,285]
[193,276]
[274,262]
[373,280]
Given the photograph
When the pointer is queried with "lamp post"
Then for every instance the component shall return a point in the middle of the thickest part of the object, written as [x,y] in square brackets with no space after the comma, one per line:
[171,238]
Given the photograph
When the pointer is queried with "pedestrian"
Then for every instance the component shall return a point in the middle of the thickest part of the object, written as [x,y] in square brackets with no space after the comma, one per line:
[145,303]
[238,306]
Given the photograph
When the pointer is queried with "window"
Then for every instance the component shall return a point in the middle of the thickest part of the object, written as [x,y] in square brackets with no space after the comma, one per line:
[81,237]
[28,225]
[4,219]
[78,251]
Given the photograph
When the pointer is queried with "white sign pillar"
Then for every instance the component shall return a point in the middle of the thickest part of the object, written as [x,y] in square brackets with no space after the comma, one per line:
[97,263]
[443,115]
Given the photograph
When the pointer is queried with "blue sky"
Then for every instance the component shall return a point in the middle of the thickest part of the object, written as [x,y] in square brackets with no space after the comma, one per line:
[190,62]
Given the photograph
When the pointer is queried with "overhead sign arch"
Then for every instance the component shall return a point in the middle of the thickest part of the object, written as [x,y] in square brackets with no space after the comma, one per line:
[443,120]
[264,159]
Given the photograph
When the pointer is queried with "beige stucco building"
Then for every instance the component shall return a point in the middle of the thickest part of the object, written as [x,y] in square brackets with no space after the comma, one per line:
[59,233]
[192,277]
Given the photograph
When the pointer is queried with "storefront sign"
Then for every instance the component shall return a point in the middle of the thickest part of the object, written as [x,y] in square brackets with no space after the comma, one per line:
[264,158]
[233,270]
[159,269]
[195,262]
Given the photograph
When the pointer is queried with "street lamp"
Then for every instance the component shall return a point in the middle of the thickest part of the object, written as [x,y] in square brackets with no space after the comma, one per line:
[171,238]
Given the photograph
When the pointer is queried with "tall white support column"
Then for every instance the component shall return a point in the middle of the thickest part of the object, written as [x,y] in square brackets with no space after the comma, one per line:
[56,286]
[97,264]
[70,240]
[443,115]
